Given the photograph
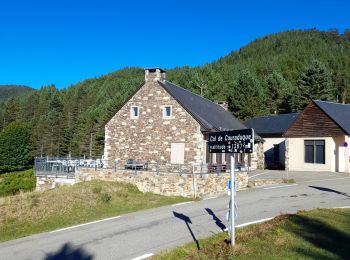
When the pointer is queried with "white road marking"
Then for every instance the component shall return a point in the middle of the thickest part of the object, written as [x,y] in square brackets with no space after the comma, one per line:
[323,173]
[282,186]
[210,198]
[253,222]
[344,207]
[332,179]
[89,223]
[143,256]
[182,203]
[257,175]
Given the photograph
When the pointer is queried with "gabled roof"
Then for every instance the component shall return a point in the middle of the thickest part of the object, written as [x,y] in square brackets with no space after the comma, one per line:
[273,124]
[211,116]
[339,113]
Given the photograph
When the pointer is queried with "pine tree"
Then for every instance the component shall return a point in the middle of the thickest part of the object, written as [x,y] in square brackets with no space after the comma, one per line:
[248,98]
[278,92]
[341,86]
[314,83]
[15,148]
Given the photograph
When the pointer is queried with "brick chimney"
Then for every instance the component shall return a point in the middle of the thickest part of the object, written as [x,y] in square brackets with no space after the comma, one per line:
[154,74]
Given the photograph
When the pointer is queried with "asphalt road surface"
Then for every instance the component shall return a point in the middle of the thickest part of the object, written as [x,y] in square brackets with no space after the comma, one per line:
[141,234]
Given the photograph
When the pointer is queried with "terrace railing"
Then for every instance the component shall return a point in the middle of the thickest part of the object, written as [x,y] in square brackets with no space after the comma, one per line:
[66,167]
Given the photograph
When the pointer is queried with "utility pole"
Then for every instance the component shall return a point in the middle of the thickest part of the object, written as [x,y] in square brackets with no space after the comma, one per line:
[232,200]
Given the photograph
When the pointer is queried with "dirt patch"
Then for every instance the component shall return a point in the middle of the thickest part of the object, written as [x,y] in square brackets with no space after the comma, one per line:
[262,182]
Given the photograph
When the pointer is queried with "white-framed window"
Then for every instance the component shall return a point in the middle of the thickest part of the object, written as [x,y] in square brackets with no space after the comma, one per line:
[134,112]
[167,111]
[315,151]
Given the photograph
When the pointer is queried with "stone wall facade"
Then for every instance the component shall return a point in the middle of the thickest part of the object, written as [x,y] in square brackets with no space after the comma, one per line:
[168,184]
[257,158]
[149,137]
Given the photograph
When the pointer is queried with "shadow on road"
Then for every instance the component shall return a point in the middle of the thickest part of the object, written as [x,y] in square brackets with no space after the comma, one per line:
[322,236]
[69,252]
[187,221]
[218,222]
[330,190]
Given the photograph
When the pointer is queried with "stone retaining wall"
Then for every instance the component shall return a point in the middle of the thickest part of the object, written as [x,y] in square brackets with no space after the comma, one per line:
[168,184]
[51,181]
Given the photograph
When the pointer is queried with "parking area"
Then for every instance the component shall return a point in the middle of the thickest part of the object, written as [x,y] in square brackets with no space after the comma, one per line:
[300,176]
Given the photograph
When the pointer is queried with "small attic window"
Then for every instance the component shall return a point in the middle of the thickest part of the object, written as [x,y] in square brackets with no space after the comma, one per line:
[134,112]
[167,112]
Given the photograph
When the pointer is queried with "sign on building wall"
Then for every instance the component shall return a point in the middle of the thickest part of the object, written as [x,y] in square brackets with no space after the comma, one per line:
[236,141]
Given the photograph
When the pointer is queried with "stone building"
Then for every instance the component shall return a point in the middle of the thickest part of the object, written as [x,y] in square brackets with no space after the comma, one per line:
[163,122]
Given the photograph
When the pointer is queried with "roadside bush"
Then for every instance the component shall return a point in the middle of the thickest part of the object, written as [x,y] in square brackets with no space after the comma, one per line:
[96,189]
[106,197]
[14,182]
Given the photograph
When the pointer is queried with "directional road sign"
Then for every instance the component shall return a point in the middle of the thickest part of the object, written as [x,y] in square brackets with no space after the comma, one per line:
[236,141]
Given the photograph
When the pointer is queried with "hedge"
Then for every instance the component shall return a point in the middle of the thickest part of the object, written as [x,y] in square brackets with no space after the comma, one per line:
[14,182]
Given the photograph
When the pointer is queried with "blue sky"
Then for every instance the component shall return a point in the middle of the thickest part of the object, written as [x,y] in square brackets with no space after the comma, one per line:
[62,42]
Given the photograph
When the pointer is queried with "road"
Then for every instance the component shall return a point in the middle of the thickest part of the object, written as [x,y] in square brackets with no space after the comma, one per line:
[148,232]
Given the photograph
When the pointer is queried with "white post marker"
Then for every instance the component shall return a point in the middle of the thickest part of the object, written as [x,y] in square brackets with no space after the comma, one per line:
[232,201]
[234,141]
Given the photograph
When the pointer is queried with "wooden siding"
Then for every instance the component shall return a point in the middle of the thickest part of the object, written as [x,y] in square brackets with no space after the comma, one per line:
[313,122]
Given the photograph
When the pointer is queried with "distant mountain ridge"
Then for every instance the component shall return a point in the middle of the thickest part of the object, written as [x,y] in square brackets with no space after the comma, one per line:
[8,91]
[261,78]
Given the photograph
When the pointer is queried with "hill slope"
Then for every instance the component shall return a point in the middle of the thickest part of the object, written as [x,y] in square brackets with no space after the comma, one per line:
[260,78]
[8,91]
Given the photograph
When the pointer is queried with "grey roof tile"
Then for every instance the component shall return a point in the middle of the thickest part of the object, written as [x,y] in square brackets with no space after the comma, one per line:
[210,115]
[339,113]
[273,124]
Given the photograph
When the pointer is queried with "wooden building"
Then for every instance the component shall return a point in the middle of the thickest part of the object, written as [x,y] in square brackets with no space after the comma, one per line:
[319,137]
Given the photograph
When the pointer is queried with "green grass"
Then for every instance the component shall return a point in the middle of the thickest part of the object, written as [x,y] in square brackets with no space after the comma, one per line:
[288,180]
[35,212]
[14,182]
[316,234]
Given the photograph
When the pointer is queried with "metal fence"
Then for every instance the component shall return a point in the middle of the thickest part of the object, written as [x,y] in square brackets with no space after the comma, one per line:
[66,167]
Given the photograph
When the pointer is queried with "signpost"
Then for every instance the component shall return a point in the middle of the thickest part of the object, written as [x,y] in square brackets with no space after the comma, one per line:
[236,141]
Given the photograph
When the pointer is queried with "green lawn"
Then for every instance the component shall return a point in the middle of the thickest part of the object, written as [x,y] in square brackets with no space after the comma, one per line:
[33,212]
[316,234]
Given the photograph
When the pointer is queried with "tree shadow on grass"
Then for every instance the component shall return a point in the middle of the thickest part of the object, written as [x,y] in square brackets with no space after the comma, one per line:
[322,236]
[69,252]
[330,190]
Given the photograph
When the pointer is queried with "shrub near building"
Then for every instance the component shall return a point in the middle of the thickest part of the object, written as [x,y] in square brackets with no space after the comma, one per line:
[14,182]
[15,148]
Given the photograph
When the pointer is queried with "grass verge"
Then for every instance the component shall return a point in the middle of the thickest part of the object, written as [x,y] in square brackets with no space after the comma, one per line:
[34,212]
[288,181]
[316,234]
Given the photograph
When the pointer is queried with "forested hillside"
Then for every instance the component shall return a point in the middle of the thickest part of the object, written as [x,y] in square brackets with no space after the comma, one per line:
[7,91]
[275,74]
